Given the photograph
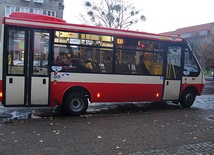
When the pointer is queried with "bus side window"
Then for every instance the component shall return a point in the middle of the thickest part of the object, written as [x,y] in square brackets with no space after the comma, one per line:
[124,62]
[15,51]
[173,69]
[157,63]
[190,66]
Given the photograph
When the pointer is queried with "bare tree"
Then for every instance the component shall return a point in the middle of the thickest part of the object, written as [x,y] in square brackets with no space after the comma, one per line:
[111,13]
[206,52]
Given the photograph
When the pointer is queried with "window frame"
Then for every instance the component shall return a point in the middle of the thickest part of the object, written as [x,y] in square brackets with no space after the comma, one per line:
[11,9]
[38,11]
[25,8]
[52,13]
[38,1]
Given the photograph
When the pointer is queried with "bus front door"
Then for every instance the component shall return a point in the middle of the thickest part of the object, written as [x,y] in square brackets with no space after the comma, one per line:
[172,82]
[27,68]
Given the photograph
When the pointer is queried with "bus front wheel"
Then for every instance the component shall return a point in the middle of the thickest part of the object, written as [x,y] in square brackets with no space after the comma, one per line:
[76,104]
[187,98]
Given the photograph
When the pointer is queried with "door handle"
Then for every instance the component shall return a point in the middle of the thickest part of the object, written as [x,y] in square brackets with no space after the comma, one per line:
[44,81]
[10,80]
[167,82]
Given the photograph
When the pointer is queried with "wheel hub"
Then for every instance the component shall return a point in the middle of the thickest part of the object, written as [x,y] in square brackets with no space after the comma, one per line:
[189,98]
[76,104]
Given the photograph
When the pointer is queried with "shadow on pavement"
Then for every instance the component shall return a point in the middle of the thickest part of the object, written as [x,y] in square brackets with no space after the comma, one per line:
[97,108]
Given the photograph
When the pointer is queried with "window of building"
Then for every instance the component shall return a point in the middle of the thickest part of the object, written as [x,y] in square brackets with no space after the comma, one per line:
[38,1]
[38,11]
[186,35]
[203,32]
[9,10]
[24,9]
[51,13]
[60,5]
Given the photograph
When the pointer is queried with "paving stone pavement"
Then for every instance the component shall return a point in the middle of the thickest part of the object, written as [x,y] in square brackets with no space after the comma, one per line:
[204,148]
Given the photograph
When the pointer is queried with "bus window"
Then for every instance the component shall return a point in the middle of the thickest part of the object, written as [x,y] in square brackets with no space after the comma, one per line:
[100,59]
[127,43]
[173,70]
[153,62]
[125,61]
[41,53]
[64,37]
[80,58]
[190,66]
[157,63]
[131,50]
[151,45]
[15,49]
[158,46]
[147,45]
[81,52]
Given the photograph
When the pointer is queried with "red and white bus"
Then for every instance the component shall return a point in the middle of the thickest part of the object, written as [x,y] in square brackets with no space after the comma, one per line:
[48,62]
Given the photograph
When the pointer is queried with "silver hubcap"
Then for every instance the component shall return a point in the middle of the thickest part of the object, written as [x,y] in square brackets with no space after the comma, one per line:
[76,104]
[189,98]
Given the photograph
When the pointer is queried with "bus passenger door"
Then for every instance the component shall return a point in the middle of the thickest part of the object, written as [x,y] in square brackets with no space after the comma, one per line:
[39,68]
[172,83]
[26,67]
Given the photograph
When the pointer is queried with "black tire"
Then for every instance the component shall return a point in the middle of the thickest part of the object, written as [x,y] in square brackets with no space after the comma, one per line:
[76,104]
[187,98]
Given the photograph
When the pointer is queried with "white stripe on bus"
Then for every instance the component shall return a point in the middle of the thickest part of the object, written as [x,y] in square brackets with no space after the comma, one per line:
[113,78]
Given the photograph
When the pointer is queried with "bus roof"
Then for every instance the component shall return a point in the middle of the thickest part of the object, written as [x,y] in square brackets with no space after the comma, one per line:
[49,22]
[34,16]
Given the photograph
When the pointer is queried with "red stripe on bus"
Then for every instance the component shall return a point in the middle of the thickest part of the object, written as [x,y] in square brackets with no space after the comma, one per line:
[111,92]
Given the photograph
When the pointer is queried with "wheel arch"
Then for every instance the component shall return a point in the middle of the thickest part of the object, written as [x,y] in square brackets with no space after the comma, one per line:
[192,88]
[77,89]
[187,97]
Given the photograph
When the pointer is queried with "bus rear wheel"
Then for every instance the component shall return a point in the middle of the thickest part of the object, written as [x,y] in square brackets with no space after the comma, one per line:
[187,98]
[76,104]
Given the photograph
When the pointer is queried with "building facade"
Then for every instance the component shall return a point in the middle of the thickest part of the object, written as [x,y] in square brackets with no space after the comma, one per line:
[195,34]
[47,7]
[193,31]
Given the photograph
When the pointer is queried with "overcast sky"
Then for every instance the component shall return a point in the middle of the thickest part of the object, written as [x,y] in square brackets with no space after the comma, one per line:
[161,15]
